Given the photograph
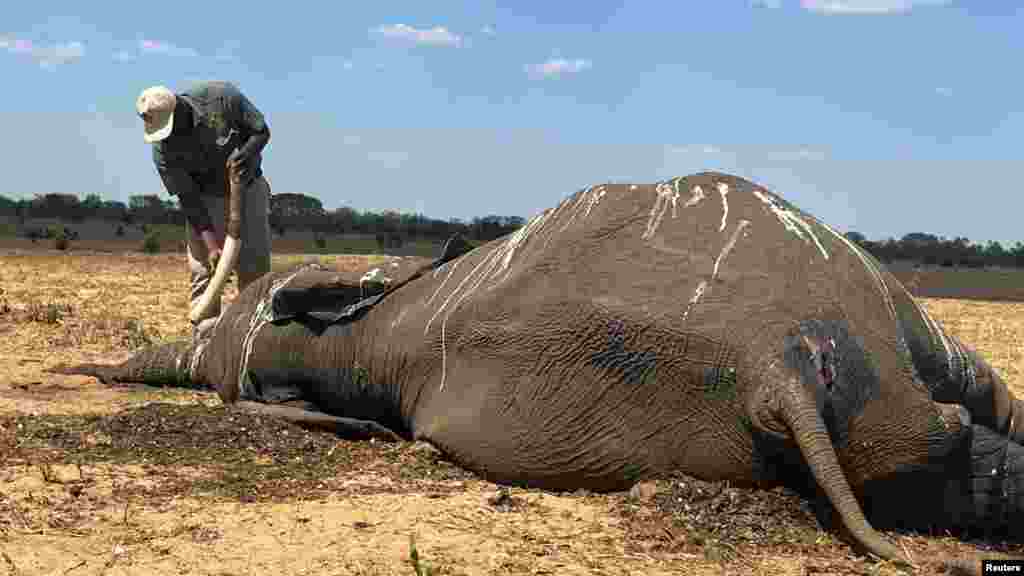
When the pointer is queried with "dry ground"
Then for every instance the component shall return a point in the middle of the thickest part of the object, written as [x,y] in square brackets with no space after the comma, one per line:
[96,480]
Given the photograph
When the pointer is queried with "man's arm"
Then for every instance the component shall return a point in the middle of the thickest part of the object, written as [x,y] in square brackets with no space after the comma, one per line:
[254,127]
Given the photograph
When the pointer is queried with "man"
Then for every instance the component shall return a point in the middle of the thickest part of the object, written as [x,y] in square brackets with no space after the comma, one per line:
[195,135]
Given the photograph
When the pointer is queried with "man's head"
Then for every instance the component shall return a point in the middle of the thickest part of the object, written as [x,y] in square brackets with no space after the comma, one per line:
[156,106]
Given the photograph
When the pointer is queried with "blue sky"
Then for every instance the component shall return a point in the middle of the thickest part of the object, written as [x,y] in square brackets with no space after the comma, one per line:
[881,116]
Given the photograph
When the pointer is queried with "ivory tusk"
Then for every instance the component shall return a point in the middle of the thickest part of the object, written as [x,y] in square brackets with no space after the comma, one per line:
[204,307]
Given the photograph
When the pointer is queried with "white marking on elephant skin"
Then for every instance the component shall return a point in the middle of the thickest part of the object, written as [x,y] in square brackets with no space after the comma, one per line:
[703,285]
[200,349]
[936,330]
[729,246]
[791,221]
[497,261]
[398,319]
[723,189]
[552,218]
[665,194]
[876,275]
[579,201]
[697,194]
[701,288]
[509,246]
[263,314]
[595,198]
[585,196]
[451,269]
[491,260]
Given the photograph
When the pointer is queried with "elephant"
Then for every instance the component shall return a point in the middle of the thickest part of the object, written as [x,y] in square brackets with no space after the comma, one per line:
[700,325]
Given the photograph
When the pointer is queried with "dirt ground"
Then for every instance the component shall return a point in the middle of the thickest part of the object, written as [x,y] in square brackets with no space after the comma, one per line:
[97,480]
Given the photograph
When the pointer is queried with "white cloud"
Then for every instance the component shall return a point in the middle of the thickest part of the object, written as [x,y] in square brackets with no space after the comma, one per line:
[436,36]
[867,6]
[46,56]
[773,4]
[556,67]
[165,48]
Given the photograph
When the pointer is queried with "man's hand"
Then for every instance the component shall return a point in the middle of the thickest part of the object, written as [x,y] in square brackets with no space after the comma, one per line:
[214,259]
[213,247]
[238,163]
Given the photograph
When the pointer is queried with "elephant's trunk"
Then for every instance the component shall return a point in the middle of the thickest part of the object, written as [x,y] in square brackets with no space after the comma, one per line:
[204,307]
[801,416]
[163,365]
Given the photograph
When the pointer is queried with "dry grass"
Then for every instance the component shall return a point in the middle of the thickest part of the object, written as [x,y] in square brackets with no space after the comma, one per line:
[146,481]
[995,285]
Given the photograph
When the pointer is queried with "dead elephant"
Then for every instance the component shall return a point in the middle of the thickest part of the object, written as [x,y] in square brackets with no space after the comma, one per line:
[702,325]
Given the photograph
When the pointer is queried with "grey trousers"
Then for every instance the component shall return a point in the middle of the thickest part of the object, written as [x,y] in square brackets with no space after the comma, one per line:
[253,258]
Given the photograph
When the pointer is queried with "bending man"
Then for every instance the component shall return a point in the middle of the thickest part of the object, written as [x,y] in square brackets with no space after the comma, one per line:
[197,136]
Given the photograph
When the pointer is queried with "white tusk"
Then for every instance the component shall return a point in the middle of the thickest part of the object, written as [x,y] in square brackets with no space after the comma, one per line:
[204,307]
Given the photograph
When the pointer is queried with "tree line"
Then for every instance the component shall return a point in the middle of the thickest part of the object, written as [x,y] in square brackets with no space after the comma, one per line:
[932,250]
[293,212]
[289,213]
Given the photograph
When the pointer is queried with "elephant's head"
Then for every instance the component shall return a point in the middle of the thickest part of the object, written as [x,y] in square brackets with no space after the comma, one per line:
[877,442]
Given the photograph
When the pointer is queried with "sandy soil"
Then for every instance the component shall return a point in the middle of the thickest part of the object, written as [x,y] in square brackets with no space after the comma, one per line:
[97,480]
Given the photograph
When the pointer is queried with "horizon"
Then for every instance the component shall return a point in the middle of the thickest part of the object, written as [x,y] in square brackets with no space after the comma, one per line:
[883,117]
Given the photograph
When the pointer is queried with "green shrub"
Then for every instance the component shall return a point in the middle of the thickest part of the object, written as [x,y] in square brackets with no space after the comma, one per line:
[151,243]
[136,335]
[50,313]
[321,242]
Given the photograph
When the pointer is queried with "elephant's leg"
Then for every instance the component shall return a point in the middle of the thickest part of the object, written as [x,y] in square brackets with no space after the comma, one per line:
[348,428]
[983,393]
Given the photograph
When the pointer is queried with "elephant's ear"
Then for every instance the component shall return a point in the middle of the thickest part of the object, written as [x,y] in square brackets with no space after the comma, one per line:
[313,291]
[794,408]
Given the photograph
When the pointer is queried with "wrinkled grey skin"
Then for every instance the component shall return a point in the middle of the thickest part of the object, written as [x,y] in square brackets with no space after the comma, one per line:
[701,325]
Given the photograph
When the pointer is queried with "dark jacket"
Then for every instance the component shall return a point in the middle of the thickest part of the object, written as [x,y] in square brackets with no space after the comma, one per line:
[192,162]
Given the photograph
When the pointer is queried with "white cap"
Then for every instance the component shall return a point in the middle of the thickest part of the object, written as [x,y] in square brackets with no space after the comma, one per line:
[156,107]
